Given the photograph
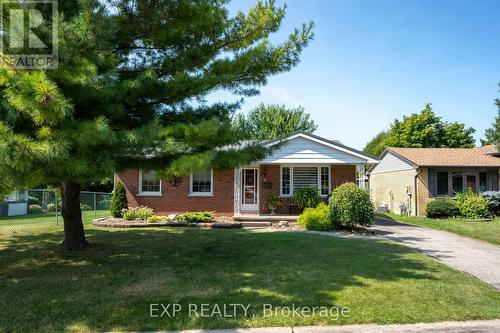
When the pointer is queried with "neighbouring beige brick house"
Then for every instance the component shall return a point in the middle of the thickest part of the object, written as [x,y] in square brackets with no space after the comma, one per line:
[409,178]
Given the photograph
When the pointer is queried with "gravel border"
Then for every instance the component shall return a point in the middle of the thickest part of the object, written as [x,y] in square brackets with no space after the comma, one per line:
[108,222]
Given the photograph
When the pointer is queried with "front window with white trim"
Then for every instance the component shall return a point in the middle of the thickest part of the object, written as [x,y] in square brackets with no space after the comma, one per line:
[201,183]
[149,183]
[296,178]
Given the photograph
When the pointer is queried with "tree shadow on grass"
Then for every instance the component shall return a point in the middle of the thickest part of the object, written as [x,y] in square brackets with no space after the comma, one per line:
[111,286]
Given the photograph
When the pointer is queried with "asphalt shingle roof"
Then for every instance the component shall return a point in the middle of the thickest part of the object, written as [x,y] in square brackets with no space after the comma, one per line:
[486,156]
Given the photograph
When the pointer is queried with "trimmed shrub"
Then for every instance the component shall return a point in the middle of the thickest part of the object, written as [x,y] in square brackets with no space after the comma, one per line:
[196,217]
[306,198]
[118,200]
[158,218]
[493,200]
[316,218]
[471,205]
[85,207]
[51,208]
[35,209]
[33,200]
[350,206]
[441,209]
[137,213]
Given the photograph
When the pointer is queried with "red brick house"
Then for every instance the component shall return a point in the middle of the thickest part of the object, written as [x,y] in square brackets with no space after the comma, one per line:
[303,160]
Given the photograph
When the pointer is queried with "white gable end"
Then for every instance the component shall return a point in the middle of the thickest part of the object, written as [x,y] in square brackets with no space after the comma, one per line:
[391,162]
[302,150]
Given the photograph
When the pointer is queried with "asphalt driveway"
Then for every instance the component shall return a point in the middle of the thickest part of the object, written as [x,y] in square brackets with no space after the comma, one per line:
[471,256]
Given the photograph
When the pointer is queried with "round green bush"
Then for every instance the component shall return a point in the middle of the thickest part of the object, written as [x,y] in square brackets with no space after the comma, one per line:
[316,218]
[33,200]
[118,200]
[493,200]
[35,209]
[441,209]
[350,206]
[472,205]
[307,197]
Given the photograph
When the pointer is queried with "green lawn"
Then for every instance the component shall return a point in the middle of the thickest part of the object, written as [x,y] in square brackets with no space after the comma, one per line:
[110,287]
[485,231]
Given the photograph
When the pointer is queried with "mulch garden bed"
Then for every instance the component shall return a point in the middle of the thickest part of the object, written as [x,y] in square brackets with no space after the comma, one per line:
[112,222]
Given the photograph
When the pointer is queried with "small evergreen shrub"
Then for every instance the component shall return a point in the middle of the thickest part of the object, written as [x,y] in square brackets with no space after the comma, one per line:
[137,213]
[493,200]
[196,217]
[33,200]
[442,209]
[306,198]
[471,205]
[51,208]
[316,218]
[118,200]
[35,209]
[350,206]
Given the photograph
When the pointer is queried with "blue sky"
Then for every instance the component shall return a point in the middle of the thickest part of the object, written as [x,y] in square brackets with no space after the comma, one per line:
[373,61]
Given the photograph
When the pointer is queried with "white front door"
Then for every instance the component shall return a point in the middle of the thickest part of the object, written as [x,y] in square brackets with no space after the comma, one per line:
[250,190]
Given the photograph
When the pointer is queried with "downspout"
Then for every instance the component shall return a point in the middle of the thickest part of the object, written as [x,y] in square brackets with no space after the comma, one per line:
[419,171]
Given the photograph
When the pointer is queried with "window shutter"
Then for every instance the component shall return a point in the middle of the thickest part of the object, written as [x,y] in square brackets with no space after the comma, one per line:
[432,183]
[494,180]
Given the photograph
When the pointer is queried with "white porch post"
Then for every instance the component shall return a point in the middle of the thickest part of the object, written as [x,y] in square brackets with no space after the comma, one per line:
[237,191]
[360,175]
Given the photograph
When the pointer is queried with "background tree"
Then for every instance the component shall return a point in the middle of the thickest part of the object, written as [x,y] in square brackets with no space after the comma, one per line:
[423,130]
[129,91]
[493,134]
[274,121]
[377,145]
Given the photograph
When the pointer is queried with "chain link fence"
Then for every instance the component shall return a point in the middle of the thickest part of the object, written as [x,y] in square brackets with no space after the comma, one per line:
[40,209]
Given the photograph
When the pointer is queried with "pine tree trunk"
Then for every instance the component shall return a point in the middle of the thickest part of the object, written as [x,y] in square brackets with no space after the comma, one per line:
[74,235]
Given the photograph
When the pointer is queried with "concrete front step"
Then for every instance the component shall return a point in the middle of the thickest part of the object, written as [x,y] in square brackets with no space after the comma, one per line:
[265,218]
[255,224]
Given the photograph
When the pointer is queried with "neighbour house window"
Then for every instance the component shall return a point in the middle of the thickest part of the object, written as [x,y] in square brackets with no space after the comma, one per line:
[296,178]
[149,182]
[442,183]
[471,182]
[457,182]
[285,181]
[483,182]
[449,183]
[201,183]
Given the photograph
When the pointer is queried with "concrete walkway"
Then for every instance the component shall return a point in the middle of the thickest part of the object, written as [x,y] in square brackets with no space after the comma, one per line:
[479,326]
[468,255]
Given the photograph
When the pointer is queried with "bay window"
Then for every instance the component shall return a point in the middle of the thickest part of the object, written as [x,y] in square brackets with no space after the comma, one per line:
[449,183]
[296,178]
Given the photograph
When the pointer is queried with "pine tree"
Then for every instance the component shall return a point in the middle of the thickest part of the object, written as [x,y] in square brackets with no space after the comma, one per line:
[129,91]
